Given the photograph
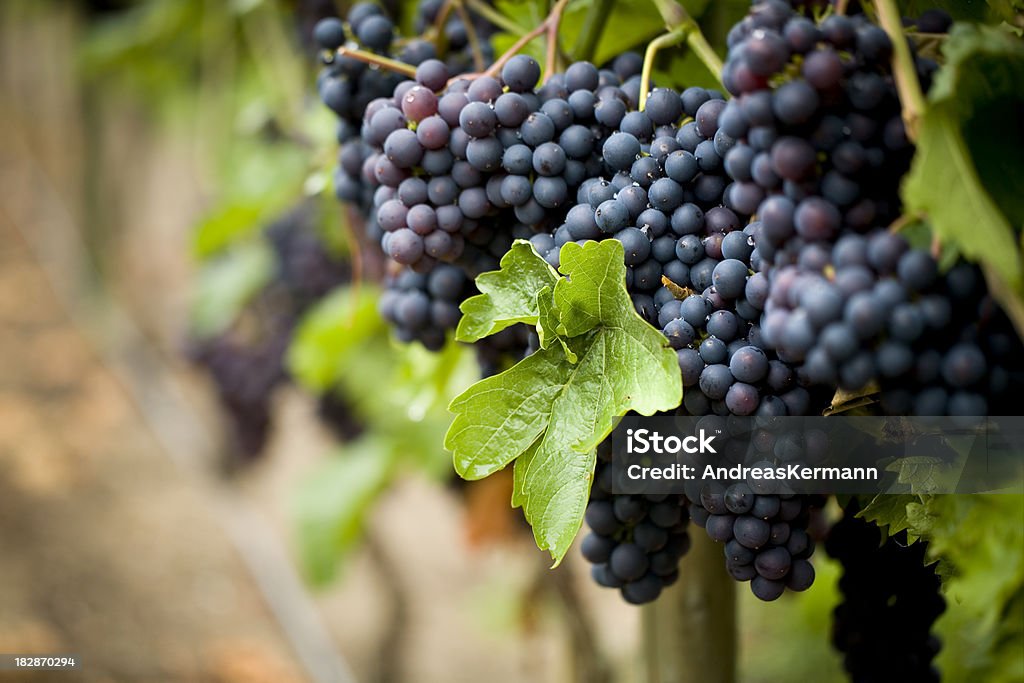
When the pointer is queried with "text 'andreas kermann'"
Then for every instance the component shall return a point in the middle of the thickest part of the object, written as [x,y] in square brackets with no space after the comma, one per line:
[644,441]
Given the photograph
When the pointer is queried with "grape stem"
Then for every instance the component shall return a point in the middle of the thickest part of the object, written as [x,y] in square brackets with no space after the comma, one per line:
[437,30]
[554,21]
[841,6]
[495,17]
[593,26]
[471,36]
[909,88]
[378,60]
[543,27]
[495,68]
[671,38]
[676,17]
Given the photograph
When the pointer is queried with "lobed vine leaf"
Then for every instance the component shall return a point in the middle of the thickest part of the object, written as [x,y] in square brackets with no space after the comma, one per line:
[507,296]
[968,136]
[551,409]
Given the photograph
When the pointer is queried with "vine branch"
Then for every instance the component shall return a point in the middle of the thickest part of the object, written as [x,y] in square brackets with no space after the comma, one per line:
[671,38]
[676,17]
[378,60]
[554,18]
[553,22]
[495,68]
[474,40]
[909,88]
[495,17]
[437,30]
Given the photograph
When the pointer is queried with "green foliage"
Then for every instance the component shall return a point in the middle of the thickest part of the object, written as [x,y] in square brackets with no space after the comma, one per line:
[398,392]
[979,542]
[331,503]
[326,341]
[889,511]
[550,410]
[227,284]
[508,296]
[970,137]
[981,538]
[631,24]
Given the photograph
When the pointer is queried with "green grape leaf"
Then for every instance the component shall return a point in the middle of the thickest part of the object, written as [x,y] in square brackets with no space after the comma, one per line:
[548,326]
[889,511]
[320,350]
[507,296]
[332,501]
[556,411]
[969,136]
[978,539]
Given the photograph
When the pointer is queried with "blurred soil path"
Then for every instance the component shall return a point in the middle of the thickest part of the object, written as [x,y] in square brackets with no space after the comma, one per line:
[106,551]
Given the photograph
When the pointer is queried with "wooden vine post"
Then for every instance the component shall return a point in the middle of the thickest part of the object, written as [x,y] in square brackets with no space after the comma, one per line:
[689,633]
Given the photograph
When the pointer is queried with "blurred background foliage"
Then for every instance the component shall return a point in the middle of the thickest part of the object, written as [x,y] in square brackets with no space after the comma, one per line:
[233,83]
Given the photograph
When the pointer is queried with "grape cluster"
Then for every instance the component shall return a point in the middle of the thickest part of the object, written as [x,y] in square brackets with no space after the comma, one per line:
[424,307]
[246,362]
[635,542]
[245,373]
[934,344]
[305,269]
[819,143]
[348,85]
[755,233]
[890,601]
[765,535]
[465,168]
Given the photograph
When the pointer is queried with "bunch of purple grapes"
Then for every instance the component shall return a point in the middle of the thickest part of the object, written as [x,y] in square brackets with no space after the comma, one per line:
[755,232]
[246,361]
[891,599]
[636,541]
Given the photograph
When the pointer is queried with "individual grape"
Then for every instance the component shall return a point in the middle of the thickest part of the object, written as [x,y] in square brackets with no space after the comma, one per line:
[730,278]
[484,89]
[611,216]
[643,590]
[521,73]
[715,381]
[621,150]
[477,119]
[549,159]
[375,32]
[636,245]
[403,148]
[432,74]
[537,129]
[329,33]
[751,532]
[550,192]
[749,364]
[405,246]
[766,589]
[419,103]
[597,549]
